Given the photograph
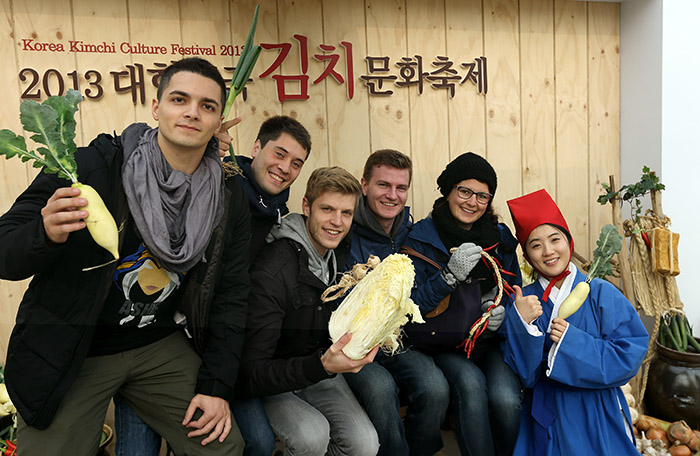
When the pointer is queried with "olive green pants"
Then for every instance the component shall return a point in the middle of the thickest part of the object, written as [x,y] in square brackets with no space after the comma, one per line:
[158,380]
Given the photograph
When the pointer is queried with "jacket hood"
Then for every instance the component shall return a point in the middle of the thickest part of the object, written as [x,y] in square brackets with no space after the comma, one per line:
[293,227]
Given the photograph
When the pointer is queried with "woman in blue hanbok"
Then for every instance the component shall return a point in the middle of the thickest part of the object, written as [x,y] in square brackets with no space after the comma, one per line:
[572,369]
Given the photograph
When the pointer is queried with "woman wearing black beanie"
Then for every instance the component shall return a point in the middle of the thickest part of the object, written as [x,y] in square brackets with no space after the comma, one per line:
[446,250]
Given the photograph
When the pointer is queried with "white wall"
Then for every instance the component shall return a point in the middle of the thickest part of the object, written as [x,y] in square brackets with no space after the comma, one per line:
[680,143]
[660,118]
[640,89]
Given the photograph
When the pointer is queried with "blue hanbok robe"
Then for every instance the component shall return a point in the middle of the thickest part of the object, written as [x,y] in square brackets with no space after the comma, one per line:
[573,403]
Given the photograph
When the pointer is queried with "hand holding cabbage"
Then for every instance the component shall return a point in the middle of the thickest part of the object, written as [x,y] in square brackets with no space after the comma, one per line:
[376,308]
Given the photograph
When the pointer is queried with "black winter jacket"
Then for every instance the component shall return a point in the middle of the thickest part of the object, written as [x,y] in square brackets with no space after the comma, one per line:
[287,329]
[56,317]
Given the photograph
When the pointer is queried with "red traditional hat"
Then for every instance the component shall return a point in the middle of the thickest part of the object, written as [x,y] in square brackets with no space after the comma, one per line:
[532,210]
[529,212]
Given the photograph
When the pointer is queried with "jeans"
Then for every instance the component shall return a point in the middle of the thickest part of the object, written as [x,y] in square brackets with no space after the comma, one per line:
[255,428]
[135,438]
[486,395]
[324,418]
[421,384]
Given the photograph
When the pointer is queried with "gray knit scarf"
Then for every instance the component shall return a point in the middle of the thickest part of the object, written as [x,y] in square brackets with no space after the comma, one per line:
[175,213]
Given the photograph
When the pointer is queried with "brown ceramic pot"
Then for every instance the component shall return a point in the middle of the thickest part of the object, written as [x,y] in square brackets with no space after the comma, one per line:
[673,386]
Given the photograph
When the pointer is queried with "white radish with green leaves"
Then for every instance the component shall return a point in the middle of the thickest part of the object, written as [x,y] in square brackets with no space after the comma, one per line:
[609,244]
[53,125]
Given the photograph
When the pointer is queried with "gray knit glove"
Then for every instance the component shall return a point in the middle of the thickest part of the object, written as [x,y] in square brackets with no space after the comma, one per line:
[498,314]
[463,261]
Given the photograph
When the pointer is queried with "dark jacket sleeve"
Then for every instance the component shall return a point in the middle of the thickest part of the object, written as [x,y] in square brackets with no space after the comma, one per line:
[24,248]
[227,312]
[509,256]
[262,373]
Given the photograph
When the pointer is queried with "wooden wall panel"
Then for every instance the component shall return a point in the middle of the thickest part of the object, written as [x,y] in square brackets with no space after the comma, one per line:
[537,95]
[389,120]
[14,176]
[206,22]
[54,25]
[428,111]
[13,173]
[156,23]
[305,17]
[465,41]
[348,135]
[604,102]
[95,23]
[571,63]
[503,115]
[550,117]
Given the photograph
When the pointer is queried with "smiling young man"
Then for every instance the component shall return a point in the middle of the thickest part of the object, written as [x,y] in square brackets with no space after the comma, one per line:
[287,360]
[381,224]
[282,146]
[382,220]
[278,155]
[84,334]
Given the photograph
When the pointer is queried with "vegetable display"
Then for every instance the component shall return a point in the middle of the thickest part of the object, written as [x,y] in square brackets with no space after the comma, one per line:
[376,308]
[661,438]
[609,244]
[53,125]
[675,333]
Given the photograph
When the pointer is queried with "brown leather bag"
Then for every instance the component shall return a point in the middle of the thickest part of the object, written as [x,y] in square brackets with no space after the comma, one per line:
[445,303]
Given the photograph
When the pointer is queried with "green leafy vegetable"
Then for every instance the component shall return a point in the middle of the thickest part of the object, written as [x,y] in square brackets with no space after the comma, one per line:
[53,125]
[246,63]
[609,243]
[633,192]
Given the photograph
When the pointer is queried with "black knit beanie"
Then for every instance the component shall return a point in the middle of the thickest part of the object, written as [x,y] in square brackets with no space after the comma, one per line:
[467,166]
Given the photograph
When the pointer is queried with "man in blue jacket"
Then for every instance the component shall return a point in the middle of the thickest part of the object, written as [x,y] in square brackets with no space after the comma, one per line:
[83,334]
[380,225]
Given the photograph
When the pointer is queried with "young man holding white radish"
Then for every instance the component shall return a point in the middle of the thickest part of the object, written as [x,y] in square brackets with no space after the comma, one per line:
[287,359]
[84,333]
[572,367]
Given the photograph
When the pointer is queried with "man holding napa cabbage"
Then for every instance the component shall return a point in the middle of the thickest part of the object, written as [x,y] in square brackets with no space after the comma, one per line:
[381,224]
[287,360]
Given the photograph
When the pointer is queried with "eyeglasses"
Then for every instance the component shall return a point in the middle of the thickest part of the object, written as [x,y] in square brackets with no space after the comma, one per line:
[481,197]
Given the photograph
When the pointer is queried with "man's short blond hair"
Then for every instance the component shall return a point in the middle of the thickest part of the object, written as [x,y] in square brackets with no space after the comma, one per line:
[331,179]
